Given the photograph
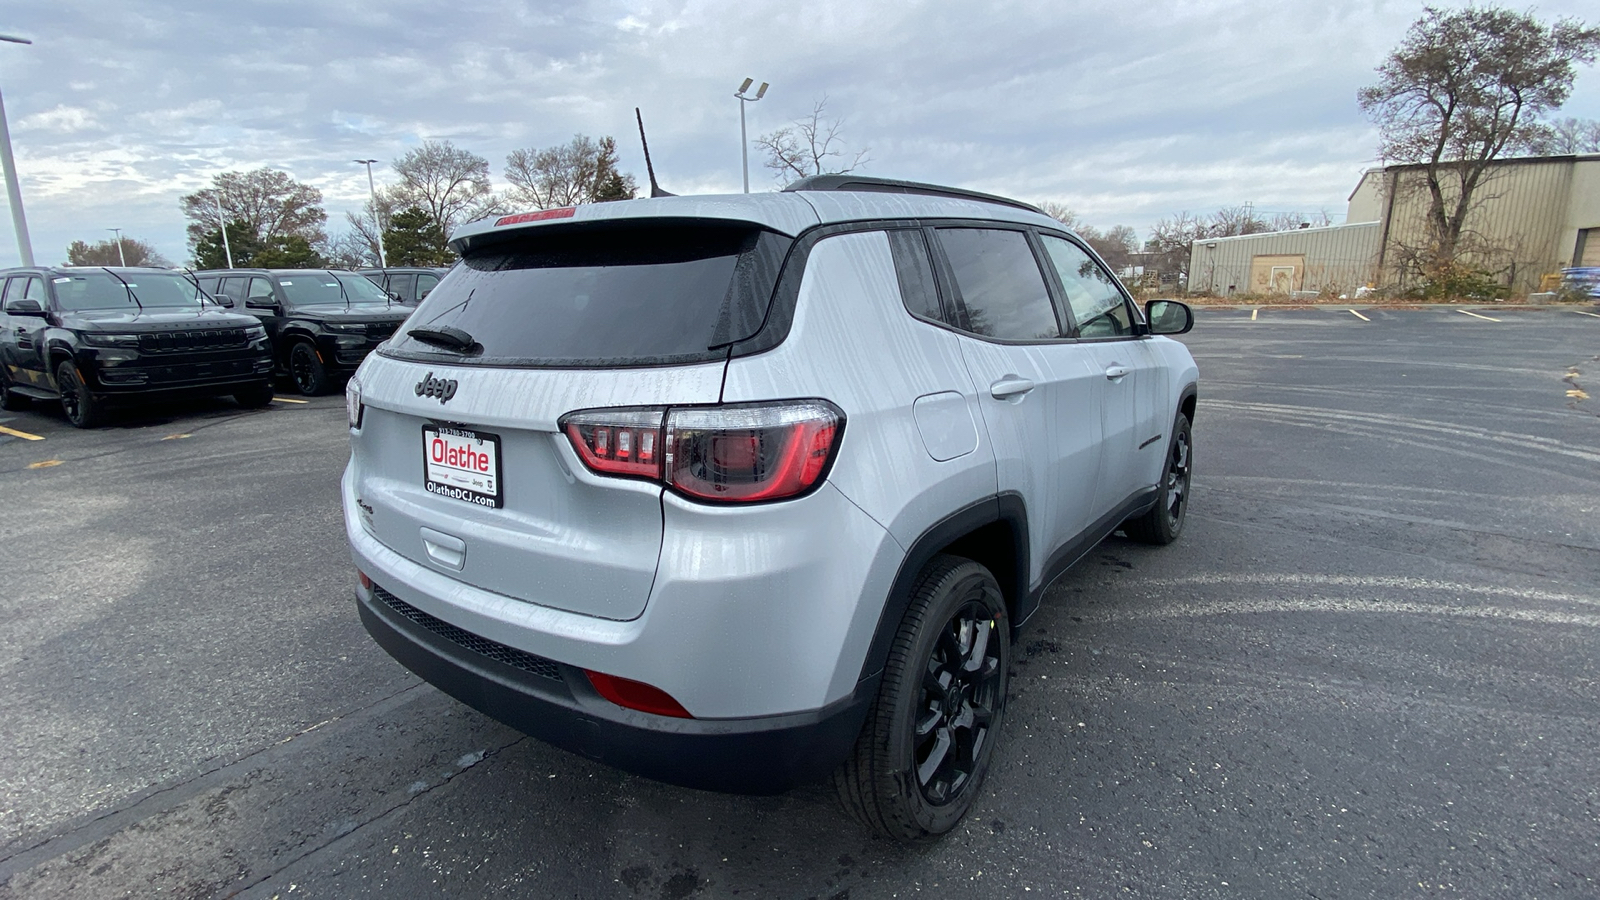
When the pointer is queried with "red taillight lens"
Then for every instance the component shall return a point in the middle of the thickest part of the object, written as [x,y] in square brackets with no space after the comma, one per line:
[617,441]
[751,453]
[735,454]
[636,695]
[366,583]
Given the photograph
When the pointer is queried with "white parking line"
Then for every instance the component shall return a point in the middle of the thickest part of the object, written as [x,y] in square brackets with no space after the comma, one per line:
[1359,316]
[1582,313]
[1253,313]
[1468,312]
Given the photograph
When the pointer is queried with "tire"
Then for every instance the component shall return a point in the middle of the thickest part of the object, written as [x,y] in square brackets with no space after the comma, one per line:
[956,631]
[1164,522]
[83,409]
[10,399]
[305,367]
[254,397]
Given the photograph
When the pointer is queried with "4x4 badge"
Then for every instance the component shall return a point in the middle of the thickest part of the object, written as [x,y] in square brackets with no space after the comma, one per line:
[442,388]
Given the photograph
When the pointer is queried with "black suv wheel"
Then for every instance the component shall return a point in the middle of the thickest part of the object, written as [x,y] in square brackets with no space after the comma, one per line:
[82,408]
[310,377]
[1164,522]
[10,399]
[929,737]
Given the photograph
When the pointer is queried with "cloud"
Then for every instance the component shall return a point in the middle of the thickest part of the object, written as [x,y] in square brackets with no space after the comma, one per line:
[1128,112]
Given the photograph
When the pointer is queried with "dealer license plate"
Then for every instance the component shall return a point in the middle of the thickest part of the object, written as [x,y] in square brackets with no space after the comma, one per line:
[462,464]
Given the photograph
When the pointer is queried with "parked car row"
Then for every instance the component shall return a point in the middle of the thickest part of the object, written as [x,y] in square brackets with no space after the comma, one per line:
[92,338]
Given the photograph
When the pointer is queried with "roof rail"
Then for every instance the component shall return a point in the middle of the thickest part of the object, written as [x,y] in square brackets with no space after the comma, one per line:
[896,186]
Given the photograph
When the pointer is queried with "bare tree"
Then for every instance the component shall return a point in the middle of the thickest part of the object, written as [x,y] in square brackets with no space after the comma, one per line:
[811,145]
[1116,245]
[1059,211]
[105,253]
[1464,87]
[581,171]
[1171,240]
[448,183]
[350,250]
[271,203]
[1565,136]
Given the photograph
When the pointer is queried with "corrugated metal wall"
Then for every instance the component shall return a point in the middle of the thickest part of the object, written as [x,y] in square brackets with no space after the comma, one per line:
[1514,226]
[1338,259]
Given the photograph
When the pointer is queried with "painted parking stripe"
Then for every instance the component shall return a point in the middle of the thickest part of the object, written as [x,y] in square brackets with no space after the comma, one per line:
[20,434]
[1359,316]
[1468,312]
[1253,313]
[288,400]
[1582,313]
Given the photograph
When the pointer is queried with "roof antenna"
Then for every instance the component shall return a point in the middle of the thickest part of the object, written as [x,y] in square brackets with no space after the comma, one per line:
[655,189]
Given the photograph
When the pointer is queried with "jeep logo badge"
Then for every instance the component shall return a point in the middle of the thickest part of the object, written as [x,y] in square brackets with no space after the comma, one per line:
[442,388]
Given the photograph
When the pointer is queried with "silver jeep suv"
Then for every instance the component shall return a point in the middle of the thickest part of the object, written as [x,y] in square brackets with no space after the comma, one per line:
[736,492]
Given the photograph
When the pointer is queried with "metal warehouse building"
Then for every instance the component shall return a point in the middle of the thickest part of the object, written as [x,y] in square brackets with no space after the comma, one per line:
[1530,217]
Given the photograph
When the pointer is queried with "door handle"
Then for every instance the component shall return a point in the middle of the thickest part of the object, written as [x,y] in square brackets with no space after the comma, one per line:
[1010,386]
[1115,372]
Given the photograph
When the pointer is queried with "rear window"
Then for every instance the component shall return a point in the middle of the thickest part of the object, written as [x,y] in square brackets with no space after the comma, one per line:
[621,296]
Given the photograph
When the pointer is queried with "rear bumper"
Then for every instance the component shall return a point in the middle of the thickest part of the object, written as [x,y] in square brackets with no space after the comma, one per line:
[555,703]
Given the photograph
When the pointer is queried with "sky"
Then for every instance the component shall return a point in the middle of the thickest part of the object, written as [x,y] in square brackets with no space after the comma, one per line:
[1126,112]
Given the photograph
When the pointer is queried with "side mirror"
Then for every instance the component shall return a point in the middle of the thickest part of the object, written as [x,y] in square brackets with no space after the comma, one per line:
[24,307]
[223,299]
[1168,317]
[393,295]
[261,303]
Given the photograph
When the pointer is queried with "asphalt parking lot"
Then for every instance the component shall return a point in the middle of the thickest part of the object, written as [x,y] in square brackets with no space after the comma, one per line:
[1370,667]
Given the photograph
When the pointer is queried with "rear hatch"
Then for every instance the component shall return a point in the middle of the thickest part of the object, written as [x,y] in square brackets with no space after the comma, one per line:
[459,462]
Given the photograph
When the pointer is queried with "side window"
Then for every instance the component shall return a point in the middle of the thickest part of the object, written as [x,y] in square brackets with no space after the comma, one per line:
[1097,305]
[6,291]
[914,269]
[234,287]
[1000,284]
[209,285]
[33,289]
[425,283]
[401,284]
[260,289]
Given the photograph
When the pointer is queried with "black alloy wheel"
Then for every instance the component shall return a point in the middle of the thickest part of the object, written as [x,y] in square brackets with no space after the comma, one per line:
[1164,522]
[81,407]
[930,734]
[310,376]
[960,692]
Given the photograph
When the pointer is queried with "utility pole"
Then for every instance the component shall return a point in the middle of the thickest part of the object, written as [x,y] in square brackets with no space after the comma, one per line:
[13,189]
[372,190]
[224,222]
[744,139]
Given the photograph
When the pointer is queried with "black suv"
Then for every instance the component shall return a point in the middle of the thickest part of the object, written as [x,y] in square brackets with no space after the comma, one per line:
[322,322]
[93,337]
[408,284]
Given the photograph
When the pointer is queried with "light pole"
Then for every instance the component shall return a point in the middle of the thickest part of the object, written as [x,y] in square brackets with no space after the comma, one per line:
[223,220]
[14,190]
[120,255]
[744,140]
[383,259]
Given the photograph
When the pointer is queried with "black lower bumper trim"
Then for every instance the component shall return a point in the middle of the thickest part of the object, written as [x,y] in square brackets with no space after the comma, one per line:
[747,756]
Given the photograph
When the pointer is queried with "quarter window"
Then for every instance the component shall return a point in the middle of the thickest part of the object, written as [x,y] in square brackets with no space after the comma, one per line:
[1000,284]
[1097,305]
[915,272]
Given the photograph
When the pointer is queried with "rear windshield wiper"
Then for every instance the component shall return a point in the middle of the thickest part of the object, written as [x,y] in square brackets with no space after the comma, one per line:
[446,336]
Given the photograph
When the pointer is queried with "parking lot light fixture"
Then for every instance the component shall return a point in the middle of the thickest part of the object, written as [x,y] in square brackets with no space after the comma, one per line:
[372,190]
[222,225]
[744,140]
[120,255]
[13,189]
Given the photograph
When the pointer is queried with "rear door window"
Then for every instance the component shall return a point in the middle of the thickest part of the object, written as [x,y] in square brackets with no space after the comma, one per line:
[632,295]
[1000,284]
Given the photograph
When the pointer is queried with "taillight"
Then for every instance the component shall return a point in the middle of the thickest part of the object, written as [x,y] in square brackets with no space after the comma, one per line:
[735,454]
[617,441]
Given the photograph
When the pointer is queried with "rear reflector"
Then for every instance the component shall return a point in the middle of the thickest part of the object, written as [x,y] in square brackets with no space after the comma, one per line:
[744,453]
[564,212]
[636,695]
[366,583]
